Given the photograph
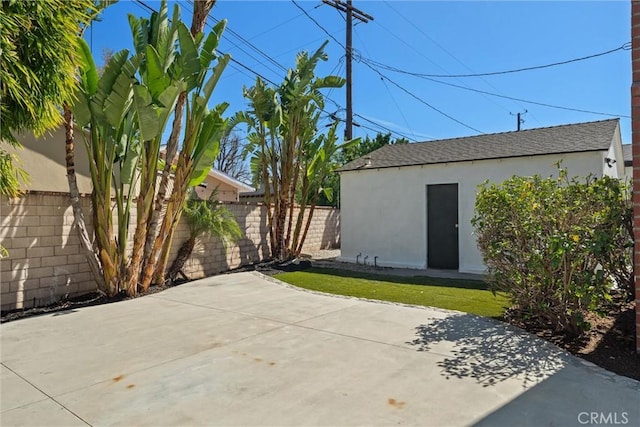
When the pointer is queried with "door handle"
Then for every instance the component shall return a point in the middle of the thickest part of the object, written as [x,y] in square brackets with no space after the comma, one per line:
[456,226]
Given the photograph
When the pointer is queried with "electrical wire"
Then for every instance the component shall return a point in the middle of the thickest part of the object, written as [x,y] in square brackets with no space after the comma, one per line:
[403,135]
[233,60]
[385,77]
[406,122]
[428,37]
[318,24]
[245,41]
[422,101]
[625,46]
[527,101]
[142,4]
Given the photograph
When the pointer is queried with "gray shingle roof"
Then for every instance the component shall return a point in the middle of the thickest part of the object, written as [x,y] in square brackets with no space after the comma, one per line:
[580,137]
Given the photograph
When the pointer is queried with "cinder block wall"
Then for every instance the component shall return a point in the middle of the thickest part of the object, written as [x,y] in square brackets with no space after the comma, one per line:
[46,262]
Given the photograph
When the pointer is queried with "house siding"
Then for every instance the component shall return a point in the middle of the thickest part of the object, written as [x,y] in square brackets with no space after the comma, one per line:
[383,211]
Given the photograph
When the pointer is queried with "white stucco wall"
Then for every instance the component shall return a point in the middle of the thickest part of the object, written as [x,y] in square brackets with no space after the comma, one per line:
[383,211]
[226,192]
[617,169]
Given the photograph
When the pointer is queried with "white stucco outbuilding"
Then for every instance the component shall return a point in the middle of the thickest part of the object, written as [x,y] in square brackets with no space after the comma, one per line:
[411,205]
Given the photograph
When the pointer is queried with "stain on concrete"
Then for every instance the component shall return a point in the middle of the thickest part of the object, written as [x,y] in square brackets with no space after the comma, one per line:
[118,378]
[398,404]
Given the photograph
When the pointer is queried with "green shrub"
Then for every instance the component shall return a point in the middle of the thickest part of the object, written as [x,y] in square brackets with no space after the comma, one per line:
[556,245]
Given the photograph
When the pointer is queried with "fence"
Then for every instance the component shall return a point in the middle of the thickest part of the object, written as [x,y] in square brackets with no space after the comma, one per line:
[46,263]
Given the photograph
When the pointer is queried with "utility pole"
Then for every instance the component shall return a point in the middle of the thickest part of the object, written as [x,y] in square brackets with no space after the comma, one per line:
[351,13]
[519,119]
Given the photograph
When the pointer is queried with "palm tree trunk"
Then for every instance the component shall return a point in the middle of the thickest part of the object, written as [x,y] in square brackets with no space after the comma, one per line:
[301,210]
[159,275]
[201,9]
[145,200]
[306,227]
[157,235]
[162,243]
[74,196]
[172,148]
[183,255]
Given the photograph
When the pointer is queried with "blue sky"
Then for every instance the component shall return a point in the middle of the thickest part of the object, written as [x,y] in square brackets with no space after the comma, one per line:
[430,37]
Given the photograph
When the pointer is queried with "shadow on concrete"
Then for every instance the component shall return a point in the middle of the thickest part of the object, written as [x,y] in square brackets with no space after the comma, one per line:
[487,351]
[572,397]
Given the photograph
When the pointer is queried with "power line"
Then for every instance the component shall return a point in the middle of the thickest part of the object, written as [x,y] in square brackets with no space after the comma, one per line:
[235,61]
[526,101]
[389,91]
[385,77]
[256,73]
[625,46]
[247,42]
[318,24]
[422,101]
[419,52]
[351,14]
[275,27]
[428,37]
[403,135]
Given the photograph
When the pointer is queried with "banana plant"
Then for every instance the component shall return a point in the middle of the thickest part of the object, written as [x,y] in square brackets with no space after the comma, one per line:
[201,10]
[125,112]
[103,108]
[317,168]
[154,100]
[284,138]
[203,129]
[262,120]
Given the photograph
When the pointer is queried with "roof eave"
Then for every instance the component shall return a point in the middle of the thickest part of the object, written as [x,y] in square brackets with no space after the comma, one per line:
[373,166]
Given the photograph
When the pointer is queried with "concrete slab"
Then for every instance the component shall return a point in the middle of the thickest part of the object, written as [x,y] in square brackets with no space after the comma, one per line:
[45,413]
[88,346]
[242,350]
[16,392]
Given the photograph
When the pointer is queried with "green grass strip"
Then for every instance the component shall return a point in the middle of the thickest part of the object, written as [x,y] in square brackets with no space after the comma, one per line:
[469,296]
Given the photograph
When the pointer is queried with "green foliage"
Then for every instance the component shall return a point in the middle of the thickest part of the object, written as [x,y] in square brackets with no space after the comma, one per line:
[125,112]
[289,153]
[38,50]
[555,244]
[462,295]
[38,56]
[348,154]
[211,217]
[367,146]
[10,175]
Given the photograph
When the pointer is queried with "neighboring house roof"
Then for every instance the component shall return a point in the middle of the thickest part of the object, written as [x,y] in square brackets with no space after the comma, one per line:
[627,155]
[221,176]
[580,137]
[256,193]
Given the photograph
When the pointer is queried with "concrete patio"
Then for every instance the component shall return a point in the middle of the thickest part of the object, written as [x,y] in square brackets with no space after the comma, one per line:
[243,349]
